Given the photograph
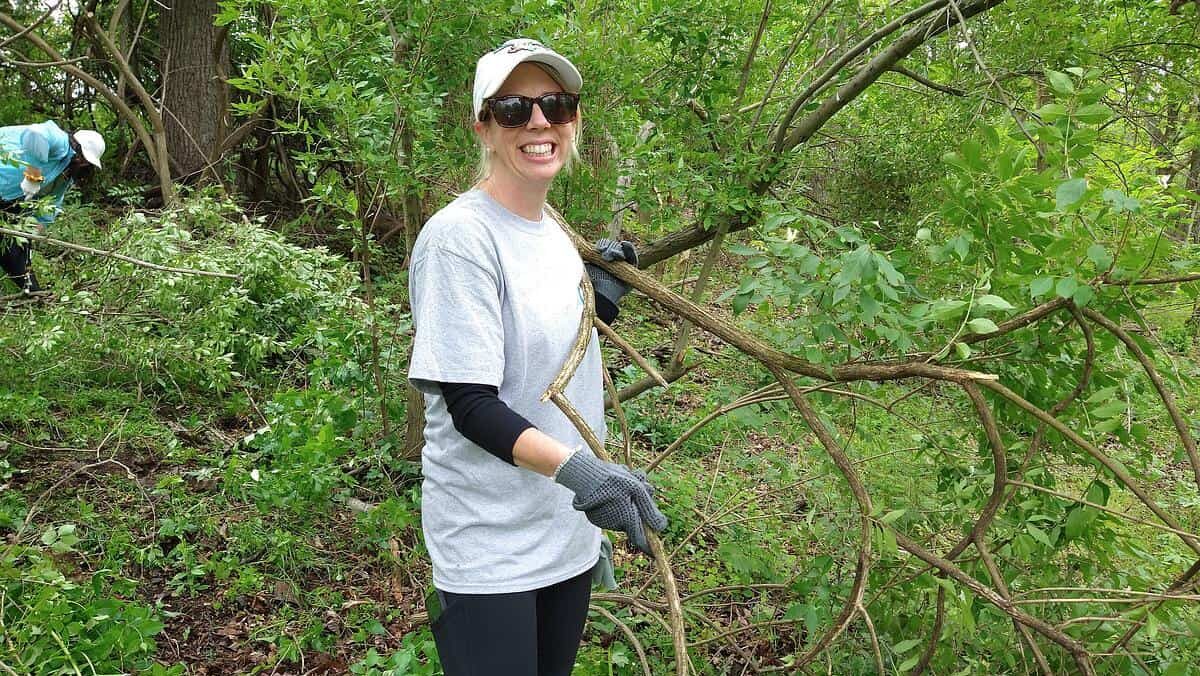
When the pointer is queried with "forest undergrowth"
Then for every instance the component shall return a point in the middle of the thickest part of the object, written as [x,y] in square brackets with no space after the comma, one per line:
[195,473]
[924,278]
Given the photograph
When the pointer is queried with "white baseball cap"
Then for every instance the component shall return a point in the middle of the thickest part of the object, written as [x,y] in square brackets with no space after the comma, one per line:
[493,68]
[91,144]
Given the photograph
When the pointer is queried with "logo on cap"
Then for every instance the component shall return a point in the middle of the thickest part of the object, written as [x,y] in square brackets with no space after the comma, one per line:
[515,46]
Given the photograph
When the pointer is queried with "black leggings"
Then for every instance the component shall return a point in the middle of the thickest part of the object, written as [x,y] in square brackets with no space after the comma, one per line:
[533,633]
[15,260]
[14,257]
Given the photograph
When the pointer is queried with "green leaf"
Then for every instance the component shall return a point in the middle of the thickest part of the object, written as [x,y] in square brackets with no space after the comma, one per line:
[982,325]
[972,152]
[891,516]
[1066,287]
[1040,286]
[1095,113]
[1083,295]
[743,250]
[868,307]
[1112,408]
[1052,112]
[1038,534]
[946,309]
[1100,256]
[1140,431]
[1098,493]
[1060,82]
[1078,521]
[993,302]
[905,646]
[990,134]
[955,160]
[888,547]
[963,350]
[1120,202]
[909,663]
[1102,395]
[1069,192]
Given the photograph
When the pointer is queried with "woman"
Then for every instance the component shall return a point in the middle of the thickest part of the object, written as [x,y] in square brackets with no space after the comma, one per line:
[512,498]
[39,161]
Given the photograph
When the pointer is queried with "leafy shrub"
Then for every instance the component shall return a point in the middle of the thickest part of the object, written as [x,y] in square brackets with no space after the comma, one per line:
[55,625]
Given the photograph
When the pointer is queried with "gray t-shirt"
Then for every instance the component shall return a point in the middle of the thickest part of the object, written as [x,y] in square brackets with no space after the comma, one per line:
[496,301]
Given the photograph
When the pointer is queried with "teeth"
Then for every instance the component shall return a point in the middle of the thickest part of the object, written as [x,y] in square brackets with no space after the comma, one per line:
[538,150]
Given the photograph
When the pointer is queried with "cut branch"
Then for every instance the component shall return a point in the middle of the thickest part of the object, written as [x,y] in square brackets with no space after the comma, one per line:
[117,256]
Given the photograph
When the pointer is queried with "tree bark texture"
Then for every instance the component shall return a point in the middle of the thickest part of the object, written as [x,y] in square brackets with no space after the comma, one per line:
[192,92]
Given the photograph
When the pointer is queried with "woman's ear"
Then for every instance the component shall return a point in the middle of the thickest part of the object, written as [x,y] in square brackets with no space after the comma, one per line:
[481,132]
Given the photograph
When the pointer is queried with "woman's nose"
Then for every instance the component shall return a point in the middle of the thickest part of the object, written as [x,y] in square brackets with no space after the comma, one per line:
[537,120]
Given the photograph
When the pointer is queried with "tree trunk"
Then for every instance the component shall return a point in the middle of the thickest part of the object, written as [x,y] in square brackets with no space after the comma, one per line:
[191,90]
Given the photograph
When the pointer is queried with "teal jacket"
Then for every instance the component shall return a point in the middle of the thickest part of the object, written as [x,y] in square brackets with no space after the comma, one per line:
[43,146]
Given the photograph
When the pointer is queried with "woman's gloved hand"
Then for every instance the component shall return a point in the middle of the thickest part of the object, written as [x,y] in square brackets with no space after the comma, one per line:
[613,496]
[605,284]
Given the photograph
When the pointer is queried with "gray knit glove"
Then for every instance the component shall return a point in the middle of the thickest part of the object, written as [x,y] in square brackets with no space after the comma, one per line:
[612,496]
[604,283]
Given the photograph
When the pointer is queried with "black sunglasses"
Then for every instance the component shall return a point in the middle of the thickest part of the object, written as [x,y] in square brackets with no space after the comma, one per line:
[515,110]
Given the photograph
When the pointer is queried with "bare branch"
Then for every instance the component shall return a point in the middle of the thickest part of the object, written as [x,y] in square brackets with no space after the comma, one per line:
[902,47]
[850,55]
[750,53]
[1181,425]
[945,89]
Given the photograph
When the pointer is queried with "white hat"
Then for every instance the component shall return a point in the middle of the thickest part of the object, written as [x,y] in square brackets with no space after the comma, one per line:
[493,68]
[92,145]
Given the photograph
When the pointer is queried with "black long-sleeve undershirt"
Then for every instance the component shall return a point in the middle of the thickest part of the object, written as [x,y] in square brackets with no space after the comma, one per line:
[479,415]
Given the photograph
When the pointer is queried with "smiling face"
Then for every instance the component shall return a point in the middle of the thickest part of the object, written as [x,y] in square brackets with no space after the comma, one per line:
[527,157]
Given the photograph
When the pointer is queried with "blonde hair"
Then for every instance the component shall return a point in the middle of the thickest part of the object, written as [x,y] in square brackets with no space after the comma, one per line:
[483,168]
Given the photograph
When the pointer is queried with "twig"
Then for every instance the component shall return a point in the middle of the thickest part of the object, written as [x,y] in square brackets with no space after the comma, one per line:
[619,412]
[1115,469]
[939,619]
[633,639]
[629,350]
[1077,651]
[1109,510]
[37,22]
[994,573]
[874,639]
